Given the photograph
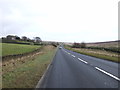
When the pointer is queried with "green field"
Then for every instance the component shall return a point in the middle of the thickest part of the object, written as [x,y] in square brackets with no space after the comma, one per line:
[12,49]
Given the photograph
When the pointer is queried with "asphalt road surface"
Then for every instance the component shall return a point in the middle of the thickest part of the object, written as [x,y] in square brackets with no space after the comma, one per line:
[74,70]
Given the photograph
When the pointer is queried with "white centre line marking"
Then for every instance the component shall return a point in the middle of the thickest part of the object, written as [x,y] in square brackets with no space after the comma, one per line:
[72,55]
[108,74]
[82,60]
[68,53]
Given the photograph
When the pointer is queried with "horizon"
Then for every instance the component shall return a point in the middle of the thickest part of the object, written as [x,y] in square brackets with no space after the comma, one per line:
[63,42]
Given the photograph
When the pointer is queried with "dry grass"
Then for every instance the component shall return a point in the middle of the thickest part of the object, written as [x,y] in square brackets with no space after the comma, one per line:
[101,52]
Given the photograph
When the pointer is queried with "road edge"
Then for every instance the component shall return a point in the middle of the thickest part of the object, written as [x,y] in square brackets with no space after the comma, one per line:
[39,84]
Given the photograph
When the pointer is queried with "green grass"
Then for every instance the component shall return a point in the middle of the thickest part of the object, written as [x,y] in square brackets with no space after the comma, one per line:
[28,74]
[12,49]
[106,57]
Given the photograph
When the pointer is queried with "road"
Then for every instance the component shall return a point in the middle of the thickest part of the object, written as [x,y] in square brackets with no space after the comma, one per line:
[73,70]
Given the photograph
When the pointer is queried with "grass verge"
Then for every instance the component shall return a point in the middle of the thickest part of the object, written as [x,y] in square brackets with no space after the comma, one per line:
[27,74]
[98,55]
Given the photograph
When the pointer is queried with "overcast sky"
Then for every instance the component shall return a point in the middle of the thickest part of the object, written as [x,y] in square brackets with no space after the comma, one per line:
[60,20]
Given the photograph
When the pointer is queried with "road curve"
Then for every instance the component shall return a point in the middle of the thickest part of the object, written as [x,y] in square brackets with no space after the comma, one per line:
[73,70]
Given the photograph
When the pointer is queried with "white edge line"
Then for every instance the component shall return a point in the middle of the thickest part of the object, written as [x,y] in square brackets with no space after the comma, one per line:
[108,74]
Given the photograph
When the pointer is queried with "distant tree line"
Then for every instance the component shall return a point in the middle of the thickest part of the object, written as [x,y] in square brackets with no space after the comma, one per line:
[25,40]
[78,45]
[22,40]
[83,45]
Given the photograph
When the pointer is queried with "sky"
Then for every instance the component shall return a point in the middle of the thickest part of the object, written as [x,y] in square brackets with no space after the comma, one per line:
[60,20]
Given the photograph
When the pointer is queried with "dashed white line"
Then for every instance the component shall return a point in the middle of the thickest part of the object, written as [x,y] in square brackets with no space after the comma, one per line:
[65,51]
[108,74]
[68,53]
[72,55]
[79,58]
[82,60]
[98,69]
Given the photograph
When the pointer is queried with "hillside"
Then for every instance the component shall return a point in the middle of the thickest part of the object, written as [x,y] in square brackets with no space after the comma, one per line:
[104,44]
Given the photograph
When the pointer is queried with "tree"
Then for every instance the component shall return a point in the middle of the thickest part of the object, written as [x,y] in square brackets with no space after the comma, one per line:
[17,38]
[37,39]
[24,38]
[82,45]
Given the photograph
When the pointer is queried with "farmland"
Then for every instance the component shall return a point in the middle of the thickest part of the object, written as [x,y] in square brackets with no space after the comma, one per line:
[12,49]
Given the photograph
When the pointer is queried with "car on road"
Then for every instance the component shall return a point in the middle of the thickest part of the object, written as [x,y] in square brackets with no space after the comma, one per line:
[60,47]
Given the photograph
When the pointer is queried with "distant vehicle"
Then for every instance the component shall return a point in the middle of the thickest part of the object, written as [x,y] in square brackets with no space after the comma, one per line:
[60,47]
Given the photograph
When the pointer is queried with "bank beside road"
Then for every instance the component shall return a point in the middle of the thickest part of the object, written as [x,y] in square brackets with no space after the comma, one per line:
[26,71]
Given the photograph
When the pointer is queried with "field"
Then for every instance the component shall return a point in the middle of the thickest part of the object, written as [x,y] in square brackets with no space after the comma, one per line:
[26,72]
[109,44]
[13,49]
